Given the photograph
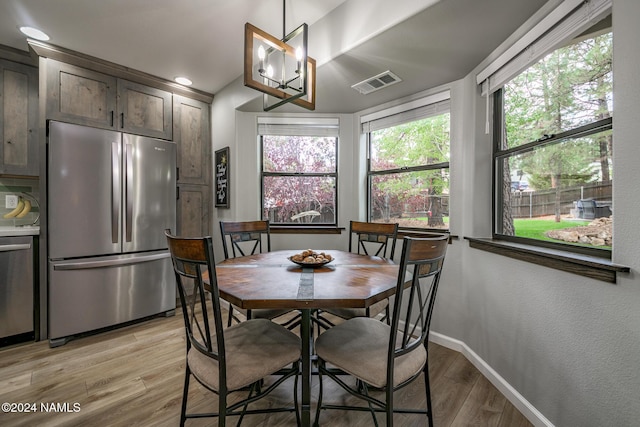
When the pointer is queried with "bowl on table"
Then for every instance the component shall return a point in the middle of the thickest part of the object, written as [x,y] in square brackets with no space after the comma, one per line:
[311,258]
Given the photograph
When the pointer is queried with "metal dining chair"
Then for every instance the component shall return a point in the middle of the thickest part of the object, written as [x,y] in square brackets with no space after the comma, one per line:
[387,357]
[368,238]
[227,360]
[241,238]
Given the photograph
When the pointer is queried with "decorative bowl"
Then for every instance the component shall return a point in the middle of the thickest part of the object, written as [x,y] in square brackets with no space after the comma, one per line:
[311,258]
[310,264]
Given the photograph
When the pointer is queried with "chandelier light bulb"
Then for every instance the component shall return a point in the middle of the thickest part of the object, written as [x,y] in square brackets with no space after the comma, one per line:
[261,55]
[299,59]
[270,71]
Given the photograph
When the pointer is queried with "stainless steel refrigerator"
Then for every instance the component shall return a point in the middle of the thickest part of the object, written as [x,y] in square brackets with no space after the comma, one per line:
[110,197]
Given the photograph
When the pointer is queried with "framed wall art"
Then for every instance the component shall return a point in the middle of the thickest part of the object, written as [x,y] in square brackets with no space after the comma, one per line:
[222,177]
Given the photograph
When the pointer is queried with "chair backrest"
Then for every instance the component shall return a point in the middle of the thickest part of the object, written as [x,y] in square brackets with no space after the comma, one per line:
[379,236]
[419,274]
[245,234]
[193,263]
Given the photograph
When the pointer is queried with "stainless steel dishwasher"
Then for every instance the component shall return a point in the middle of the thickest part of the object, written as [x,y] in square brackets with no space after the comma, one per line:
[16,290]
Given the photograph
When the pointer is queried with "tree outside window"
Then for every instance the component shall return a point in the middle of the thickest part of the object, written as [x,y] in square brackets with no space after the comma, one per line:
[409,173]
[554,142]
[299,179]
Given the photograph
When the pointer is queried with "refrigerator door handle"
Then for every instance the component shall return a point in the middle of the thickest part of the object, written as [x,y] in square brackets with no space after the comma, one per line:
[83,265]
[129,192]
[115,191]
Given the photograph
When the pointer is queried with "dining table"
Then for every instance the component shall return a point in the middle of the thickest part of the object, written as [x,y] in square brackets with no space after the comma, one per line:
[271,280]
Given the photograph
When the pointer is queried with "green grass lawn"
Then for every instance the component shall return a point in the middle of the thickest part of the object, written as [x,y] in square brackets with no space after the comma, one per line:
[532,228]
[535,228]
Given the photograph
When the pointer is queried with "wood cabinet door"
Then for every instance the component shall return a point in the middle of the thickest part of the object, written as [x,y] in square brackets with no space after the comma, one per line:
[144,110]
[191,134]
[193,210]
[80,96]
[19,119]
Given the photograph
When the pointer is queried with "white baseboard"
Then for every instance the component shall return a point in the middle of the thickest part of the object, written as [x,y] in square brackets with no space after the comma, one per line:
[516,399]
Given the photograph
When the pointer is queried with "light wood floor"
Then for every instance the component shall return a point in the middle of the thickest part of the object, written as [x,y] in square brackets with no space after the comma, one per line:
[133,376]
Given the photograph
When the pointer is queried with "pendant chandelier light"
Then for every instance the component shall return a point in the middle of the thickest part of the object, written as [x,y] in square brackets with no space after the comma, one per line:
[280,68]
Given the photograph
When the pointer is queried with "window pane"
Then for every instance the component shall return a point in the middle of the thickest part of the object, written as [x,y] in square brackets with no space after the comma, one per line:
[422,142]
[413,199]
[559,190]
[299,199]
[299,154]
[570,87]
[561,187]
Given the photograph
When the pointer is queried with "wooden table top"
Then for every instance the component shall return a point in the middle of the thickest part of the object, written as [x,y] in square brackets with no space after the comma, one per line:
[270,280]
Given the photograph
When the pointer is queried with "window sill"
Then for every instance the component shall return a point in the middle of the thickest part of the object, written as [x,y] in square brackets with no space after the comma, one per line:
[583,265]
[284,229]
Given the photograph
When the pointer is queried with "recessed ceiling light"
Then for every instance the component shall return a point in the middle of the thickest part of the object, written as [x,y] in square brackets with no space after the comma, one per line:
[34,33]
[183,81]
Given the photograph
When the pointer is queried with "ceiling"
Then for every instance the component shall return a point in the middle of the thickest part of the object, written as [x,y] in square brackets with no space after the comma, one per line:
[426,43]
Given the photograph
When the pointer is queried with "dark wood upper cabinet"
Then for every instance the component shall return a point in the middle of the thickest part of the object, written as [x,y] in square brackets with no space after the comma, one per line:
[80,96]
[144,110]
[87,97]
[18,119]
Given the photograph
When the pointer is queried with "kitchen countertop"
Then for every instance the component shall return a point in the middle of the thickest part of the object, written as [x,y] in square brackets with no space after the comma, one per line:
[30,230]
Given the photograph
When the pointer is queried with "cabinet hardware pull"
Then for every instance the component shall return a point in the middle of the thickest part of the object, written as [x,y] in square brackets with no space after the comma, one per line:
[16,247]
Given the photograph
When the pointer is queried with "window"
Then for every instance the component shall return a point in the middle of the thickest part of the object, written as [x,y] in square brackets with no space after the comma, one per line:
[408,167]
[299,173]
[553,147]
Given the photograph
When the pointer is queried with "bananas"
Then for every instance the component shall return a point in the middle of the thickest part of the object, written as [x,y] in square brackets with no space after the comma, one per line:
[20,211]
[16,211]
[25,210]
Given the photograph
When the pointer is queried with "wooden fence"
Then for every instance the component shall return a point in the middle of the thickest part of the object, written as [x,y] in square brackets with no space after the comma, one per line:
[530,204]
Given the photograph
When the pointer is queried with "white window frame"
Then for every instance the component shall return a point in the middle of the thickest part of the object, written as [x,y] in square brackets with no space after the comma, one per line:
[429,106]
[299,126]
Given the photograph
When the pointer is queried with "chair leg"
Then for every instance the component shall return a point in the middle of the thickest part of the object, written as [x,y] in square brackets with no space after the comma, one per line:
[389,405]
[254,386]
[316,422]
[428,394]
[185,394]
[222,409]
[365,391]
[295,396]
[230,315]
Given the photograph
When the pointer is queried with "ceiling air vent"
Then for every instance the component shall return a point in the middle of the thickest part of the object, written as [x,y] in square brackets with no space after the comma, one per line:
[376,82]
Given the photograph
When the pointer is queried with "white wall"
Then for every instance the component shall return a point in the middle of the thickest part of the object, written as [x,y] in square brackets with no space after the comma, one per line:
[570,346]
